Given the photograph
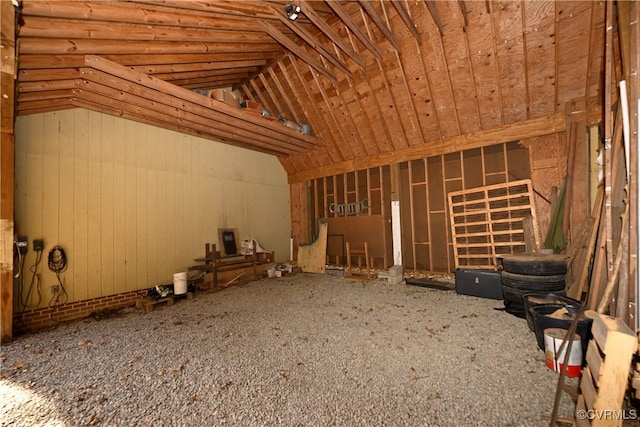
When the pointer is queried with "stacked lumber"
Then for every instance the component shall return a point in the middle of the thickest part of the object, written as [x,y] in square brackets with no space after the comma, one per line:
[605,378]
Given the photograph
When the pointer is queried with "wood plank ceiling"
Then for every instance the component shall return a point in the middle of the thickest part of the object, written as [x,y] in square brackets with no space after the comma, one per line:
[370,77]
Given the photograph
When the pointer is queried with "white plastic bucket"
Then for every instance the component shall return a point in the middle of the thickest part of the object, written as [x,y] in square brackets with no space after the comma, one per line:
[554,352]
[271,272]
[180,283]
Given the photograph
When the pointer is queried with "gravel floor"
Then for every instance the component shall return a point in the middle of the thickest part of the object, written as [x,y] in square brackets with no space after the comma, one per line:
[304,350]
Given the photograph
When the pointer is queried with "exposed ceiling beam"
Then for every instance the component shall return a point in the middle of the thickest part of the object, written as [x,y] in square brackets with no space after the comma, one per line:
[209,82]
[310,13]
[76,29]
[44,106]
[333,152]
[244,8]
[355,29]
[103,88]
[137,13]
[298,51]
[436,16]
[225,113]
[463,9]
[270,100]
[286,95]
[45,85]
[407,19]
[377,19]
[305,98]
[197,67]
[314,43]
[166,122]
[28,61]
[39,45]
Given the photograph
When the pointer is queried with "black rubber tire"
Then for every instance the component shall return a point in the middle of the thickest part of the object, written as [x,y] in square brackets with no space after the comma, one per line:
[515,294]
[514,286]
[533,283]
[535,264]
[514,309]
[512,295]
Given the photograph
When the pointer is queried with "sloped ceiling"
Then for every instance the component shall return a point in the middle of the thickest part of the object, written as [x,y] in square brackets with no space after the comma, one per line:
[369,77]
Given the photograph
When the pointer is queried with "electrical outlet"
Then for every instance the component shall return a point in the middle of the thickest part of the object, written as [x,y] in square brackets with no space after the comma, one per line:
[22,245]
[38,245]
[55,289]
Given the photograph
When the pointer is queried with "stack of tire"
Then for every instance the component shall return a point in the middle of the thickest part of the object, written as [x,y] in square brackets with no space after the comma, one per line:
[531,273]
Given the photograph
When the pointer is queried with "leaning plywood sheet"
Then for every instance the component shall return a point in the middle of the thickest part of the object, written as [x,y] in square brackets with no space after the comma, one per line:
[312,257]
[488,221]
[357,230]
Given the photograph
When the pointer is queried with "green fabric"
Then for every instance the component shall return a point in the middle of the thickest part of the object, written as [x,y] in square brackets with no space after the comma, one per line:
[555,238]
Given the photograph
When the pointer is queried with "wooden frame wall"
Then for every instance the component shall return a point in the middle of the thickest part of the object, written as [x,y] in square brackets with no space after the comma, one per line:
[423,187]
[7,88]
[373,184]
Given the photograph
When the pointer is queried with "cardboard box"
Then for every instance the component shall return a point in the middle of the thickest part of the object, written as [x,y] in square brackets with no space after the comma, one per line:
[479,283]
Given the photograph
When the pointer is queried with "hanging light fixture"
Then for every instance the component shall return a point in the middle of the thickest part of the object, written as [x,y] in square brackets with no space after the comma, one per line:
[292,11]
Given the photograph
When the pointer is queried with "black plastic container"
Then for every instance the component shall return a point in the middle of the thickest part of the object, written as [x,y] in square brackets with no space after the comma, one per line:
[537,298]
[478,283]
[542,320]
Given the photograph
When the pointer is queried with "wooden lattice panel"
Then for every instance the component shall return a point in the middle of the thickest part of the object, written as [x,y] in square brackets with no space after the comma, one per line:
[489,221]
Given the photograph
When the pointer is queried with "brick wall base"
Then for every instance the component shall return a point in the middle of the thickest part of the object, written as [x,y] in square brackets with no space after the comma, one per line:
[33,320]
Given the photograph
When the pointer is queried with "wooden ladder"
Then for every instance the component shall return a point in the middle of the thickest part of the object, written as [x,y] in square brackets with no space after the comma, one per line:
[365,252]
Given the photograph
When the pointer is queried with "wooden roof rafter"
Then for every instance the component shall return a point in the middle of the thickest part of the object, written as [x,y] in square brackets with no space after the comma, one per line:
[355,29]
[400,139]
[300,87]
[273,103]
[107,106]
[147,14]
[196,106]
[463,9]
[184,69]
[310,13]
[79,29]
[39,45]
[284,93]
[406,18]
[436,16]
[343,148]
[382,26]
[358,147]
[242,9]
[382,144]
[99,87]
[206,60]
[297,50]
[315,43]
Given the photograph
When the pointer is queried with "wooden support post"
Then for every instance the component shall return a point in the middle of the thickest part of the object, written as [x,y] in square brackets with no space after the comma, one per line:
[623,250]
[578,287]
[608,132]
[396,224]
[300,224]
[7,167]
[577,183]
[628,17]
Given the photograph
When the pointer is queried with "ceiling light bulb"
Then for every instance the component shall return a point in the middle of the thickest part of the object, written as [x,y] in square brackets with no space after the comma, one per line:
[292,11]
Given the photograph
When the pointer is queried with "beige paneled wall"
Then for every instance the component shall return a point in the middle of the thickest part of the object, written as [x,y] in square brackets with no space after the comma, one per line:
[132,204]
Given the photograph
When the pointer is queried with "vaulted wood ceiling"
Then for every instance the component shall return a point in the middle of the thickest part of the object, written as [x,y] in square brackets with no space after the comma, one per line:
[370,77]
